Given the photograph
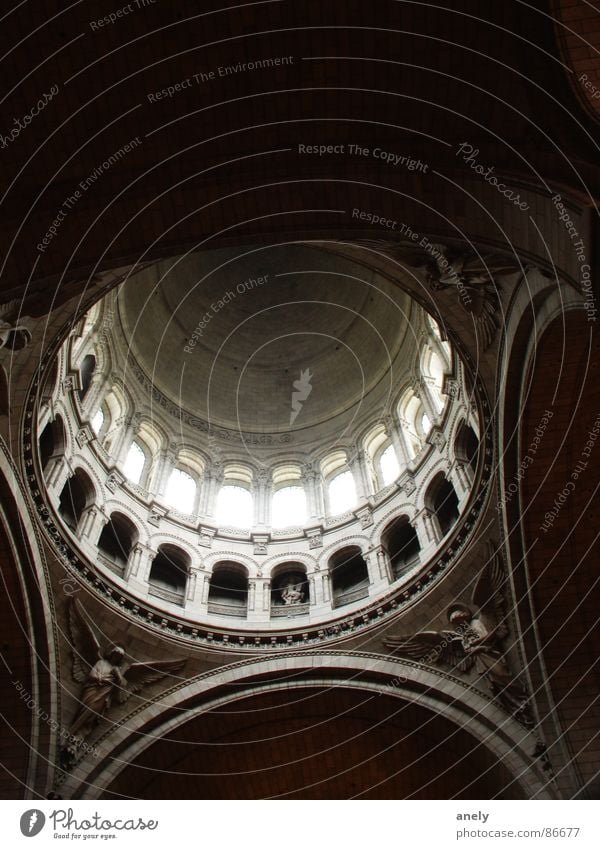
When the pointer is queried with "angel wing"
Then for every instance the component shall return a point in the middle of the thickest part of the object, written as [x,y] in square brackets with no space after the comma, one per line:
[85,647]
[489,594]
[432,647]
[482,306]
[140,675]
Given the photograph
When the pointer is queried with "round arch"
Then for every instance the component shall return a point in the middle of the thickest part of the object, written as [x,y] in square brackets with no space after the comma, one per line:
[371,674]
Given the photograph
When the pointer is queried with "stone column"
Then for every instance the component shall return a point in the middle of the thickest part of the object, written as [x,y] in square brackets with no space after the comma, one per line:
[426,527]
[358,466]
[262,498]
[214,479]
[92,399]
[423,391]
[90,524]
[461,481]
[141,563]
[56,474]
[131,428]
[394,432]
[309,476]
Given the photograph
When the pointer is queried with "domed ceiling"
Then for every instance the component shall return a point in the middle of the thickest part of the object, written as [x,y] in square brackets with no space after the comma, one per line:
[234,336]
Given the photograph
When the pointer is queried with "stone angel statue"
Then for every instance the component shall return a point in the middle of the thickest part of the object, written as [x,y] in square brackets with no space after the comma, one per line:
[475,643]
[462,270]
[105,675]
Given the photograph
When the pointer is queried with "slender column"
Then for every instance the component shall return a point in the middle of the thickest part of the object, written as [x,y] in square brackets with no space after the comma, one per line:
[131,429]
[357,464]
[262,498]
[141,563]
[423,390]
[92,397]
[56,474]
[309,476]
[320,496]
[214,480]
[163,467]
[266,597]
[91,523]
[461,481]
[427,532]
[394,432]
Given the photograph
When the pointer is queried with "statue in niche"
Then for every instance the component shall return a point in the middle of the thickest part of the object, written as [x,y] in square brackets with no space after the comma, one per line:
[106,677]
[292,591]
[475,643]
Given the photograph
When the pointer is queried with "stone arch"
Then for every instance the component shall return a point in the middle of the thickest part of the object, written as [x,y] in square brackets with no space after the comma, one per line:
[370,674]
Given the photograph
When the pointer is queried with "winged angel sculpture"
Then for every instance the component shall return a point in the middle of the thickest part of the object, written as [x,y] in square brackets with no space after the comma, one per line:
[471,275]
[105,675]
[475,643]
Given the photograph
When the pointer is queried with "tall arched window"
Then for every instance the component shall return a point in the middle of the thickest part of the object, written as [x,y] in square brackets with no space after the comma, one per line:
[235,506]
[433,368]
[388,463]
[288,507]
[181,491]
[415,423]
[134,463]
[86,372]
[97,421]
[342,493]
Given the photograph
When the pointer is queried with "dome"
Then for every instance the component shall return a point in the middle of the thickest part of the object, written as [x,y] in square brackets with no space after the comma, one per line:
[259,439]
[226,334]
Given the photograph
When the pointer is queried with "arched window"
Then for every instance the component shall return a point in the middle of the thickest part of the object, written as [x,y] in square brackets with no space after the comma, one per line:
[86,372]
[402,545]
[342,493]
[349,576]
[433,368]
[228,590]
[134,463]
[388,463]
[98,421]
[442,501]
[415,423]
[289,590]
[168,574]
[466,446]
[77,494]
[116,541]
[181,491]
[235,506]
[288,507]
[52,441]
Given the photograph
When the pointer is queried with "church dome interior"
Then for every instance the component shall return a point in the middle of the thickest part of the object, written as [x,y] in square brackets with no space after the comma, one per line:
[299,406]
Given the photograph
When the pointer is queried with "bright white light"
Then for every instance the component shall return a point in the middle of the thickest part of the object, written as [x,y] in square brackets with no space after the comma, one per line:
[388,463]
[98,421]
[288,507]
[181,491]
[342,493]
[134,463]
[235,507]
[426,423]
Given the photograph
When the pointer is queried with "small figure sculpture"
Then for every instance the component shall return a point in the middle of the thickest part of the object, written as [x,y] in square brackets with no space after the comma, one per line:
[105,676]
[475,644]
[292,592]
